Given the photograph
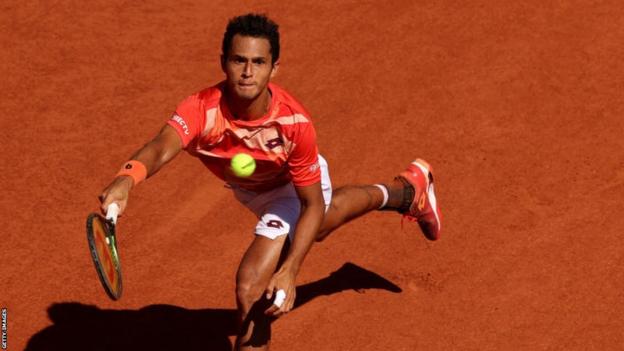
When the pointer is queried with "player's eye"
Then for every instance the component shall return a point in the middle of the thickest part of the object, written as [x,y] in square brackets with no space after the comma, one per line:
[259,61]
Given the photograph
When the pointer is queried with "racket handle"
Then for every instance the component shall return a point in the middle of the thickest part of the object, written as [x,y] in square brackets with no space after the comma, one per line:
[112,212]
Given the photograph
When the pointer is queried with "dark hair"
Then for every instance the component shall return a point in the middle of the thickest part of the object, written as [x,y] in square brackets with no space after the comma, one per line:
[252,25]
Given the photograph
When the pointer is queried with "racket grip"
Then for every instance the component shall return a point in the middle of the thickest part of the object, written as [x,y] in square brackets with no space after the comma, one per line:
[112,212]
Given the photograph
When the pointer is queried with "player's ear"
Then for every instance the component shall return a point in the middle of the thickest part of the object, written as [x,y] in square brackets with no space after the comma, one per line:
[223,63]
[275,68]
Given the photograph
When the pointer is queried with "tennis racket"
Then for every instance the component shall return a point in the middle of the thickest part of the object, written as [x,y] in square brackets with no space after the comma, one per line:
[101,238]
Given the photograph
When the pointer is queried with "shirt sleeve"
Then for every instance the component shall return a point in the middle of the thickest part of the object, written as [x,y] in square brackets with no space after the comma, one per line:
[303,161]
[187,119]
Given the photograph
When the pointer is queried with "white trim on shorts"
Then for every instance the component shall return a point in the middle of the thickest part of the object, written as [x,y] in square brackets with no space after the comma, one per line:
[278,209]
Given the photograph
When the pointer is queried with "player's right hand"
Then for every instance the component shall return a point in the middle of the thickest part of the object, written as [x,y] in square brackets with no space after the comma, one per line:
[117,191]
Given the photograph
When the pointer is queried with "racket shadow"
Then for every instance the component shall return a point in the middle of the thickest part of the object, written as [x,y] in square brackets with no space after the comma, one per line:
[165,327]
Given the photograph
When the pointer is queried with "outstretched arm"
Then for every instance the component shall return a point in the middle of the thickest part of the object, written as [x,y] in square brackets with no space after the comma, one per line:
[312,212]
[155,154]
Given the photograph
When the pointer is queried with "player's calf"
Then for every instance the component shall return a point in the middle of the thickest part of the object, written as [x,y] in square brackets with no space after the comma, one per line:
[348,202]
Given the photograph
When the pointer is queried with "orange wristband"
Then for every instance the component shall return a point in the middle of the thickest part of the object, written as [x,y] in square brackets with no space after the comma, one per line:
[134,169]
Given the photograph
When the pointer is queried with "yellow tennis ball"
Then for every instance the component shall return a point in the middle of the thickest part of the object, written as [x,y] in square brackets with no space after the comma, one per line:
[243,165]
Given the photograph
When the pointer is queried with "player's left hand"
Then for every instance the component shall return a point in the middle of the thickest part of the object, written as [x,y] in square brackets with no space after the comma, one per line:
[283,279]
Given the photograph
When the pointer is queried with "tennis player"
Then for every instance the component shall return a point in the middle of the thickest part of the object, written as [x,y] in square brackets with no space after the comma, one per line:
[290,192]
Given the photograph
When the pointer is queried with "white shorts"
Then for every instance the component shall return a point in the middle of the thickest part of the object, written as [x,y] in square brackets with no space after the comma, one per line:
[278,209]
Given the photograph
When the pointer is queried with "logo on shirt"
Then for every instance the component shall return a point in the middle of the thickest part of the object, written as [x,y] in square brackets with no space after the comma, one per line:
[182,124]
[314,167]
[275,142]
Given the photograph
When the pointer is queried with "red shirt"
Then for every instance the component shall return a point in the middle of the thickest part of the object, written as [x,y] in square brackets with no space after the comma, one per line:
[283,141]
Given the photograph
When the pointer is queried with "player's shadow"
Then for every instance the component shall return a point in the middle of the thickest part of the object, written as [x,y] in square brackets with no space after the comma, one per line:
[165,327]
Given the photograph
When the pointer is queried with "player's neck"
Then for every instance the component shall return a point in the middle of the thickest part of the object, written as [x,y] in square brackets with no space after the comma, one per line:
[250,110]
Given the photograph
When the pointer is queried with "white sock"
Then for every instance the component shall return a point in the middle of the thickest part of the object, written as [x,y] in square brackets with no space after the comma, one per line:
[384,191]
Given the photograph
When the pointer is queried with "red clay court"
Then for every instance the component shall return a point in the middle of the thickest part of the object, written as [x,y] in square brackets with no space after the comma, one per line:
[518,107]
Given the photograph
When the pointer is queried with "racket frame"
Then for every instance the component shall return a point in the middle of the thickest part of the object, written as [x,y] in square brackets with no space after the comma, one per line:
[109,231]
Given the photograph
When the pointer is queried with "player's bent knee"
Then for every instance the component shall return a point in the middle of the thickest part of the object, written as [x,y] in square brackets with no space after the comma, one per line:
[247,294]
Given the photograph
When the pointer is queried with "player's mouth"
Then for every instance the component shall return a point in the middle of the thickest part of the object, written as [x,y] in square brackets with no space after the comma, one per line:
[246,86]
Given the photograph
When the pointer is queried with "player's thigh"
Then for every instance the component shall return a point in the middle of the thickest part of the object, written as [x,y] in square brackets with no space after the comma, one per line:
[257,267]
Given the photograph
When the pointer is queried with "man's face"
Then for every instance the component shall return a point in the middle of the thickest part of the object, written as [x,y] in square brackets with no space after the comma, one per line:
[248,67]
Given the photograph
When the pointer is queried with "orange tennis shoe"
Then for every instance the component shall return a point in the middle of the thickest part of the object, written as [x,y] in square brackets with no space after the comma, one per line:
[424,207]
